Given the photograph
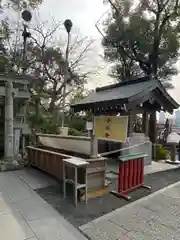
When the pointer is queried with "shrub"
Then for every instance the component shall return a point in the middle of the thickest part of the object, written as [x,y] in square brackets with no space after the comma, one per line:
[75,132]
[161,152]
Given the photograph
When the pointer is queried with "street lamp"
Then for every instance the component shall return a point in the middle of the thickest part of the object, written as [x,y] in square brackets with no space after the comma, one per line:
[68,25]
[26,16]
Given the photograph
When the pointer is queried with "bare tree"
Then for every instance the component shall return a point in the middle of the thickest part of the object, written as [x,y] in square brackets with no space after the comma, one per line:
[45,64]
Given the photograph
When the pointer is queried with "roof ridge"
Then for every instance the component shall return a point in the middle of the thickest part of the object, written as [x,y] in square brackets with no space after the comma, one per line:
[124,83]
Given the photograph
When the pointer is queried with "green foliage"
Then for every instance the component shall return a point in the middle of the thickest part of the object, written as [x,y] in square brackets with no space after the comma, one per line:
[45,124]
[77,122]
[49,127]
[42,124]
[143,38]
[161,152]
[74,132]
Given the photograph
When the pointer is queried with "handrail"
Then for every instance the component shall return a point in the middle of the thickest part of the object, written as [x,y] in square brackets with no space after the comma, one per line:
[121,149]
[47,151]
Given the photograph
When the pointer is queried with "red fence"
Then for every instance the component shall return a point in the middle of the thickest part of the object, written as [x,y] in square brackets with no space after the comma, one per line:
[131,174]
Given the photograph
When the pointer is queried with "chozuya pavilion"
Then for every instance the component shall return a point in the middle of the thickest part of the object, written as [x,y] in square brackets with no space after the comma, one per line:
[140,96]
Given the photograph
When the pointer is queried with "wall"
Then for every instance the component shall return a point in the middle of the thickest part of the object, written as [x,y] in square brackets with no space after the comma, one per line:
[69,143]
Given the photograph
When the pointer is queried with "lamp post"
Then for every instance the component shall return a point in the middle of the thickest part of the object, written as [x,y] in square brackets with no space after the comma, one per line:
[68,25]
[26,16]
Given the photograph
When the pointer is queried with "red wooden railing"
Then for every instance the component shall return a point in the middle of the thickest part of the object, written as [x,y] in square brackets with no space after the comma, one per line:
[131,174]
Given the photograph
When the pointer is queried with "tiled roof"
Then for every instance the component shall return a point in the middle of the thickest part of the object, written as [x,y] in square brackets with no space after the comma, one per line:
[131,92]
[121,91]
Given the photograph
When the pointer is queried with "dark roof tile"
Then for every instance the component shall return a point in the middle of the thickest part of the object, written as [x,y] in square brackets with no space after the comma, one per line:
[125,92]
[117,93]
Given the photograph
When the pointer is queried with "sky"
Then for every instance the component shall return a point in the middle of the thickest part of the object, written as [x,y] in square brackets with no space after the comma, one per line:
[84,14]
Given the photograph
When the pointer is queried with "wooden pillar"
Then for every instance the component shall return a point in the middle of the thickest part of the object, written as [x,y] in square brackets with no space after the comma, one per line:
[130,123]
[173,153]
[145,123]
[153,132]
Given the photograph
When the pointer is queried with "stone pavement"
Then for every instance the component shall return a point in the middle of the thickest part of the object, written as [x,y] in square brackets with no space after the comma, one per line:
[155,217]
[113,167]
[25,215]
[159,166]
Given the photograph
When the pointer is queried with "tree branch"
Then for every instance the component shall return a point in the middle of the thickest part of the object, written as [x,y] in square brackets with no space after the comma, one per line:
[79,58]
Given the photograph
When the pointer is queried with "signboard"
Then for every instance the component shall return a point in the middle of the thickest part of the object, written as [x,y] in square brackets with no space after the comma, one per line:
[113,128]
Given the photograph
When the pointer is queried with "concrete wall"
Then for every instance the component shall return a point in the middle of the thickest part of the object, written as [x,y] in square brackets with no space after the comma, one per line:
[138,142]
[69,143]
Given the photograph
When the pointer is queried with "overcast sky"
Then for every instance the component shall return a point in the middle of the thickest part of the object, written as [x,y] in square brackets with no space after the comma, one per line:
[84,14]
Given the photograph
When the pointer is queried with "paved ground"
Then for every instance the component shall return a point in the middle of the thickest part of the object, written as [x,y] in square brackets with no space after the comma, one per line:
[113,167]
[25,215]
[29,217]
[103,205]
[155,217]
[158,167]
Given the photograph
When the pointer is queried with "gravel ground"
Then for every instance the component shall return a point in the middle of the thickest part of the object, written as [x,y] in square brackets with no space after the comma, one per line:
[102,205]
